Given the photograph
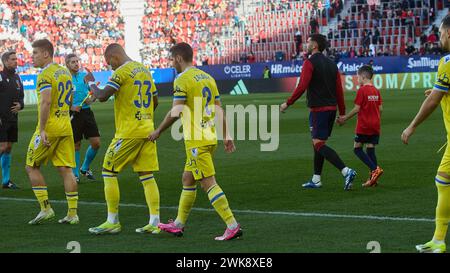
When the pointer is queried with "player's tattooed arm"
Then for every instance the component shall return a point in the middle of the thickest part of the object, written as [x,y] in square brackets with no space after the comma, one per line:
[102,94]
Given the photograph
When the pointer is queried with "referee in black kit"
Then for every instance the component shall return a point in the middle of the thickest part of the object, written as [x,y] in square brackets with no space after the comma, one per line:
[321,79]
[11,102]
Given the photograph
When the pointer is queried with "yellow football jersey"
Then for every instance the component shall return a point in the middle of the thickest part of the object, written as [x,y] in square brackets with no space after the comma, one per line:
[199,91]
[58,80]
[443,84]
[133,100]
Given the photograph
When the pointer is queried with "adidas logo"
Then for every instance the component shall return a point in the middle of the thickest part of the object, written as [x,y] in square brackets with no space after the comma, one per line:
[239,89]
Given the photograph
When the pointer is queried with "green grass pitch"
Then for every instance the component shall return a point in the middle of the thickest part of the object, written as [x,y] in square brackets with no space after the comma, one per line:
[257,184]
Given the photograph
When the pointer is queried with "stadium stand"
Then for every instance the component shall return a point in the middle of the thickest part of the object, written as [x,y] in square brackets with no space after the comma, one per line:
[225,31]
[200,23]
[83,26]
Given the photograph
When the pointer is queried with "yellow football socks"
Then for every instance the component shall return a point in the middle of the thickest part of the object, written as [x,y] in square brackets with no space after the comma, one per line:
[442,208]
[112,194]
[151,196]
[42,196]
[220,203]
[187,200]
[72,203]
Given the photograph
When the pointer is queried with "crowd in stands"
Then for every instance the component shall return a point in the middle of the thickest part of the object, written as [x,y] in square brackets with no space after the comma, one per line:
[391,28]
[80,26]
[86,26]
[199,23]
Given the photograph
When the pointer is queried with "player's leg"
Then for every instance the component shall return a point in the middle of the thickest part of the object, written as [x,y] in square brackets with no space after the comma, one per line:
[442,182]
[316,181]
[359,152]
[370,150]
[91,152]
[37,154]
[322,125]
[188,195]
[375,174]
[40,191]
[145,163]
[187,200]
[437,244]
[71,190]
[63,158]
[219,201]
[119,153]
[92,133]
[77,129]
[76,170]
[215,193]
[112,197]
[152,199]
[5,158]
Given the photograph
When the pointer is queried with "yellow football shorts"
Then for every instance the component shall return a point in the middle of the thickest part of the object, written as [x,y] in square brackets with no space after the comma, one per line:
[199,161]
[139,152]
[445,162]
[61,151]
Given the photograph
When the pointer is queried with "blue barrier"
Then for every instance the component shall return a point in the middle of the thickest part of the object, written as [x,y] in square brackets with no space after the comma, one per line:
[381,65]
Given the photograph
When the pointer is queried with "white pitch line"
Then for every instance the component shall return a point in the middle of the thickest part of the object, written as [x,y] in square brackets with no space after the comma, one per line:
[277,213]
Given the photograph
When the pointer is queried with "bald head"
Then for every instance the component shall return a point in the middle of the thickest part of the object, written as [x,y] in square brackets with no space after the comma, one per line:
[115,55]
[113,49]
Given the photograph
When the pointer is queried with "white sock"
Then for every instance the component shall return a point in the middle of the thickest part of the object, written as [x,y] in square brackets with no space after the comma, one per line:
[113,218]
[438,242]
[178,223]
[233,225]
[316,178]
[154,220]
[345,171]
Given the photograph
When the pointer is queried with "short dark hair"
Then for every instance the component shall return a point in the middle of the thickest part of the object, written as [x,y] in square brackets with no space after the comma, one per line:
[321,41]
[184,50]
[45,45]
[70,56]
[6,55]
[446,22]
[366,71]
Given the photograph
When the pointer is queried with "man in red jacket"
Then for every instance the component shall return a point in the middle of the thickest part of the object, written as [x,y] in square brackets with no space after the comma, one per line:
[321,78]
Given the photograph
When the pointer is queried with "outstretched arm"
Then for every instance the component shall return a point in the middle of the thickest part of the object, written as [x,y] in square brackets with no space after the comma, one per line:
[428,107]
[171,116]
[46,101]
[305,78]
[227,139]
[352,113]
[102,94]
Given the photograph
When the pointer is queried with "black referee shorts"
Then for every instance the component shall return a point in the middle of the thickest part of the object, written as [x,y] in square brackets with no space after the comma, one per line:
[9,131]
[84,125]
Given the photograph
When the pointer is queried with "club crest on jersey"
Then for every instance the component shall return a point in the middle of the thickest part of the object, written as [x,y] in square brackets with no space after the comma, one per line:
[37,141]
[118,145]
[446,59]
[194,152]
